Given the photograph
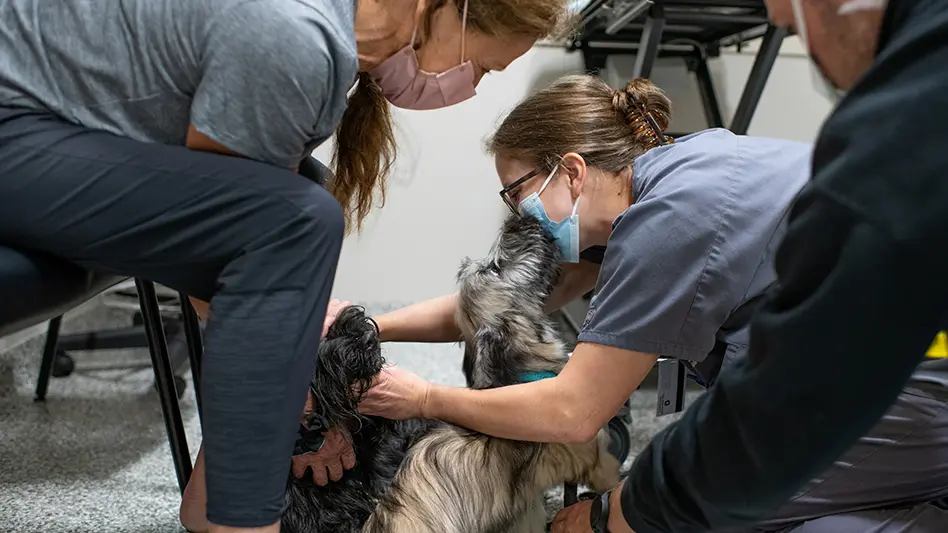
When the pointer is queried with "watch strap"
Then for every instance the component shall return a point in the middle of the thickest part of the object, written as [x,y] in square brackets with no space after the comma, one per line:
[599,519]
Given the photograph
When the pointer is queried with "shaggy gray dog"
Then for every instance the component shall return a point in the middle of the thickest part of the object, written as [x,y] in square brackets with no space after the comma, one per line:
[422,476]
[454,480]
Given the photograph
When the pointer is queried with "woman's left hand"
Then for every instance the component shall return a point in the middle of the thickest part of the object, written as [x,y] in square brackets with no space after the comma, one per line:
[573,519]
[327,464]
[397,395]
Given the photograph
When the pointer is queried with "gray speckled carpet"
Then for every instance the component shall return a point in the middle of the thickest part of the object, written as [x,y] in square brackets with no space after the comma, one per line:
[95,457]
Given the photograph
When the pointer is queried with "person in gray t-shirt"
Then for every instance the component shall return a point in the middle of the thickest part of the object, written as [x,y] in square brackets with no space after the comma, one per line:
[160,138]
[678,241]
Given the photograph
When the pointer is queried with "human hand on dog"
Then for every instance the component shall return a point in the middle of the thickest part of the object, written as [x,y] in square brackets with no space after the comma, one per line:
[575,518]
[329,462]
[396,394]
[332,312]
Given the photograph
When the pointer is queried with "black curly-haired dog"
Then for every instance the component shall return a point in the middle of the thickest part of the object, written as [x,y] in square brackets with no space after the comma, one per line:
[425,476]
[349,357]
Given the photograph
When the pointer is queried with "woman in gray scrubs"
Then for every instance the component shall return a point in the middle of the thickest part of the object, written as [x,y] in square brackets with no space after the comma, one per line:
[681,237]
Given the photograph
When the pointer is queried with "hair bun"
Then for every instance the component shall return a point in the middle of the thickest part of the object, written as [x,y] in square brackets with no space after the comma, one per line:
[646,109]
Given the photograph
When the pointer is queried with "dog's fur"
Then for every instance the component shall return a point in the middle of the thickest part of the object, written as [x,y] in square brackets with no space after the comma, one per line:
[349,357]
[422,476]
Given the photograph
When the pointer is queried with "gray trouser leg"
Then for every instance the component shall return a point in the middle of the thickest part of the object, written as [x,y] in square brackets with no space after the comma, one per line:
[884,484]
[260,243]
[924,518]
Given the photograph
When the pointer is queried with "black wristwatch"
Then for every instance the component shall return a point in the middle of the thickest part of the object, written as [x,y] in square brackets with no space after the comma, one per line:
[599,513]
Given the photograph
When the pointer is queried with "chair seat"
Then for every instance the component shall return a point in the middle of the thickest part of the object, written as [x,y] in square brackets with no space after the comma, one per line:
[36,287]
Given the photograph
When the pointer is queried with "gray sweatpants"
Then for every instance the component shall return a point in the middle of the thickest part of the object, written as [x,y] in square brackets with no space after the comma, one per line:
[259,242]
[894,480]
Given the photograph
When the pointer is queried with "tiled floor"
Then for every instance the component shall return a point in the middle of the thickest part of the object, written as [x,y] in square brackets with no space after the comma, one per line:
[94,457]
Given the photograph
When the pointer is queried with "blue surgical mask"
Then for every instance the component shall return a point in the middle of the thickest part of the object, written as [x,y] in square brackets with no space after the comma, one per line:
[565,232]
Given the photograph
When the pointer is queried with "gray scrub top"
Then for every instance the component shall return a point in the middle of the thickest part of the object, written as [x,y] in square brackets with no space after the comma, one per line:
[687,261]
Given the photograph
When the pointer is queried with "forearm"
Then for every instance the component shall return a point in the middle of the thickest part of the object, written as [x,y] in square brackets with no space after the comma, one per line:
[434,320]
[617,521]
[428,321]
[540,411]
[570,408]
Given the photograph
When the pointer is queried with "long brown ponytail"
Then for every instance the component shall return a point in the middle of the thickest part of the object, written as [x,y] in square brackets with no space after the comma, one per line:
[364,152]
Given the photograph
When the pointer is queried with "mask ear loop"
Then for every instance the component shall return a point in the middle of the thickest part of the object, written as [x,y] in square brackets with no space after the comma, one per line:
[547,182]
[414,31]
[548,178]
[861,5]
[463,31]
[801,21]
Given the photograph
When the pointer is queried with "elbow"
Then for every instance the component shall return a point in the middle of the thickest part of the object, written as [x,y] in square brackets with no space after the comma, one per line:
[583,433]
[579,426]
[577,416]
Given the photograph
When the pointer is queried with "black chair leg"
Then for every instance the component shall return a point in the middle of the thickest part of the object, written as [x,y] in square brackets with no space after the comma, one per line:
[570,495]
[49,357]
[164,380]
[192,331]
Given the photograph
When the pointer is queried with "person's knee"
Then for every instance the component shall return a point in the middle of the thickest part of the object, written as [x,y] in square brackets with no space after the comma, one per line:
[322,214]
[317,232]
[293,235]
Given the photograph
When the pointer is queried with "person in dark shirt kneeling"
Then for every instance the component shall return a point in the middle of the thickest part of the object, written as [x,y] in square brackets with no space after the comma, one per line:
[862,290]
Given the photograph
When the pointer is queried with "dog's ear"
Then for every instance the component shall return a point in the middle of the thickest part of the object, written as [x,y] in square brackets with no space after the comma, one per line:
[489,360]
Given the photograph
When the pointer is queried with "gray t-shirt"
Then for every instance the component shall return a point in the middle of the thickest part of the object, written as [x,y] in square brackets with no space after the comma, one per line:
[686,262]
[267,79]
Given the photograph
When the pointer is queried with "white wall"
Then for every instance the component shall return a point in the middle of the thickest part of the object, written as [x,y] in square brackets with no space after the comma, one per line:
[443,203]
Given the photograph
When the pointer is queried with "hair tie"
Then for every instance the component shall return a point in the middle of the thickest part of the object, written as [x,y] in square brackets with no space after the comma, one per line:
[658,137]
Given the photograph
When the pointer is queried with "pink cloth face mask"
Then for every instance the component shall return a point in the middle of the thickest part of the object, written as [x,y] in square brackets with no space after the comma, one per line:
[405,85]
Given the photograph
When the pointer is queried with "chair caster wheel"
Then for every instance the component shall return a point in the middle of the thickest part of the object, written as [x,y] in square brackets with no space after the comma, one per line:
[620,443]
[63,364]
[180,387]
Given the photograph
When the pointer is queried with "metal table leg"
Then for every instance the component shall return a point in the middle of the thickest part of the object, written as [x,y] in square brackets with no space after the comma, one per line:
[649,43]
[709,98]
[763,64]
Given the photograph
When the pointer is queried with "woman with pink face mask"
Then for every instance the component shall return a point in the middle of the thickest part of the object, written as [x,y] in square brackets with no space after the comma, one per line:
[164,139]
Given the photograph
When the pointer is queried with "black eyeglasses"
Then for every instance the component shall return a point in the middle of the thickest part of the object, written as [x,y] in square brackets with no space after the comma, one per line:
[505,192]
